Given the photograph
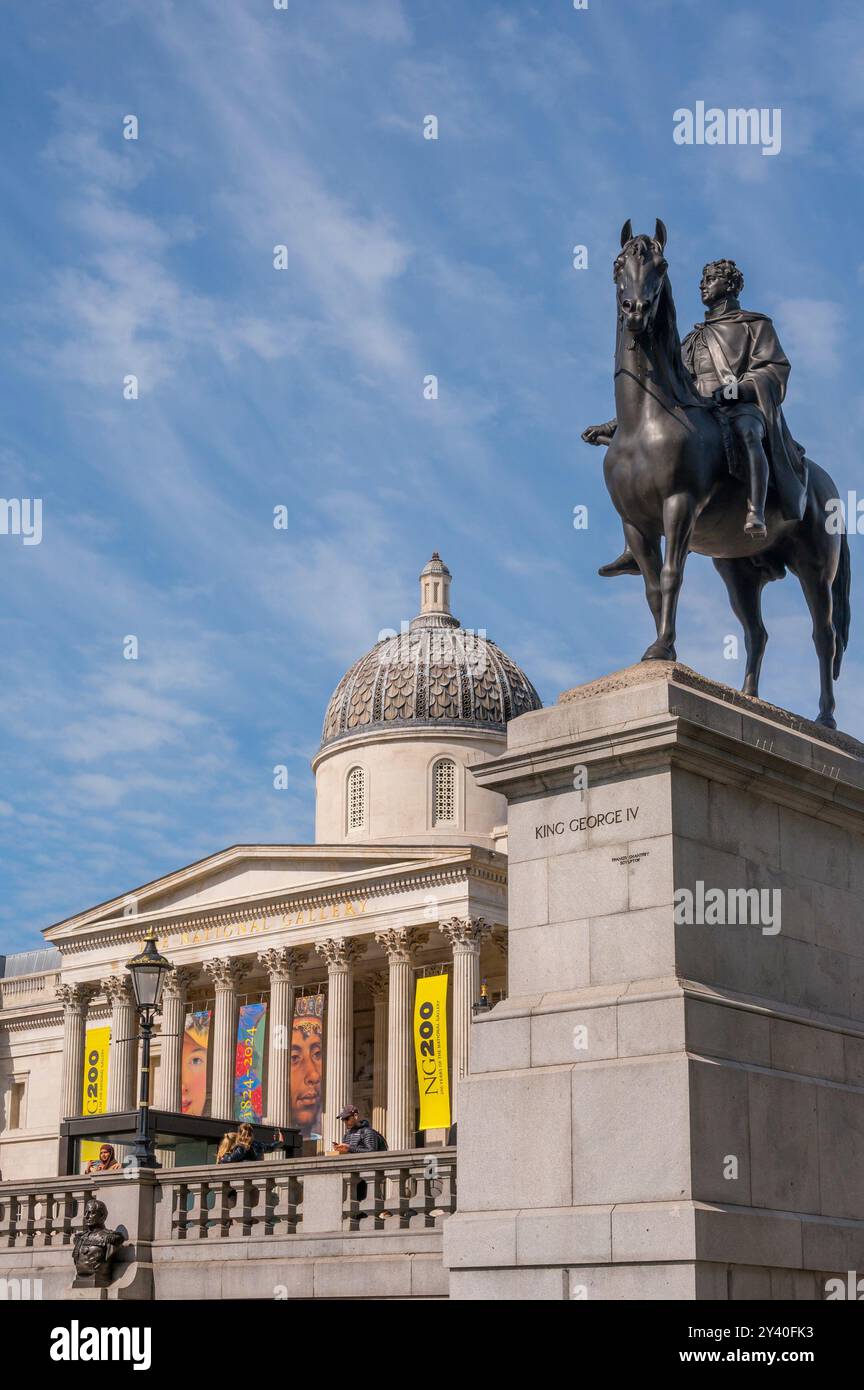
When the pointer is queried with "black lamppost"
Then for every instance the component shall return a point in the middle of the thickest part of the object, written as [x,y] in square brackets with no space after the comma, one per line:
[148,970]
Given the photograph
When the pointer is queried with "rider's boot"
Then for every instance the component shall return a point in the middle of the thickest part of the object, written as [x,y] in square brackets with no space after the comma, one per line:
[754,526]
[625,564]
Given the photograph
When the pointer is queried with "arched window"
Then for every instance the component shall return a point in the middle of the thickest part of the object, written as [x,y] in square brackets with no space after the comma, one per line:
[444,792]
[356,798]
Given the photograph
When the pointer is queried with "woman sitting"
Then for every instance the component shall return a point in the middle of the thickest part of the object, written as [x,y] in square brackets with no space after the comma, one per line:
[105,1163]
[226,1144]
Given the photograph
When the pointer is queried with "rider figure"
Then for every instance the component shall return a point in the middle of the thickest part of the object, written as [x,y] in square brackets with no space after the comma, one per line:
[736,360]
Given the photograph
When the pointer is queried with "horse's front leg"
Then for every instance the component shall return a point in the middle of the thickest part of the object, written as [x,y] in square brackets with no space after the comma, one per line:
[678,515]
[646,552]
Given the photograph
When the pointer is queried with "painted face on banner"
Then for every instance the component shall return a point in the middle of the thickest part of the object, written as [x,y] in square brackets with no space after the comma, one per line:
[193,1094]
[307,1052]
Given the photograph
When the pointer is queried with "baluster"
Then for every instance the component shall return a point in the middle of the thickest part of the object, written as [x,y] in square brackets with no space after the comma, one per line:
[372,1205]
[225,1202]
[199,1224]
[7,1220]
[52,1207]
[281,1202]
[421,1198]
[293,1204]
[248,1200]
[446,1203]
[29,1218]
[67,1217]
[178,1197]
[41,1218]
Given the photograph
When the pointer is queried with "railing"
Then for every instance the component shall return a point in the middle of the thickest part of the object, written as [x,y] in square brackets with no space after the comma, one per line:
[381,1192]
[42,1214]
[347,1195]
[16,990]
[260,1204]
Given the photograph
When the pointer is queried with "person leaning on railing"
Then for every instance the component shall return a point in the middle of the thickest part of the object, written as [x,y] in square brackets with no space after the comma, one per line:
[360,1137]
[247,1149]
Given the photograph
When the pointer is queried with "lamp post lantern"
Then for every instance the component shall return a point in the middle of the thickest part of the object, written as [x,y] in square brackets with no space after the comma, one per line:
[149,971]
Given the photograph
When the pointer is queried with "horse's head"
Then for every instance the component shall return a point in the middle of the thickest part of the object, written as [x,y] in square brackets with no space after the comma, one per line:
[639,273]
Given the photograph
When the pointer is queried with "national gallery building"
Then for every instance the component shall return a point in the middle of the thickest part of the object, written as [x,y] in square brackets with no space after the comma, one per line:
[591,1085]
[303,959]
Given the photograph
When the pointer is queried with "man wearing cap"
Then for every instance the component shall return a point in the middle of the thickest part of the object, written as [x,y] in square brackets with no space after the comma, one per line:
[360,1137]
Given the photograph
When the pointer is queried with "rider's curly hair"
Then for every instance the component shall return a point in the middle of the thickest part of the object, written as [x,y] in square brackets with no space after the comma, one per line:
[730,272]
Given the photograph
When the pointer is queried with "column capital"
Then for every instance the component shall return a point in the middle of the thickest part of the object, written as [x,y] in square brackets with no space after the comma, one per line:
[465,934]
[118,988]
[400,943]
[226,972]
[378,983]
[75,998]
[340,952]
[282,961]
[178,983]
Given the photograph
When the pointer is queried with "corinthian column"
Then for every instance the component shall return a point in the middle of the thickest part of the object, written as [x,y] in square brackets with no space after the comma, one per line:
[226,973]
[75,1000]
[175,991]
[340,954]
[281,965]
[465,935]
[124,1043]
[378,988]
[400,945]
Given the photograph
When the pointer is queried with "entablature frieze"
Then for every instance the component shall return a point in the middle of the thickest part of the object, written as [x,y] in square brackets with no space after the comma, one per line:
[271,914]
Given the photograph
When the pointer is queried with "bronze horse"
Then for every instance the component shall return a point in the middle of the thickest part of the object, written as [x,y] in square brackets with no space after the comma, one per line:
[667,473]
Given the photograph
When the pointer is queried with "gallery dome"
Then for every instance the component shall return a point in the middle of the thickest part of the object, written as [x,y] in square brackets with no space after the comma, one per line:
[433,674]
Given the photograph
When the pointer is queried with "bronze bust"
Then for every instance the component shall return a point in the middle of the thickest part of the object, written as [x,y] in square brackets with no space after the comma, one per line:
[95,1246]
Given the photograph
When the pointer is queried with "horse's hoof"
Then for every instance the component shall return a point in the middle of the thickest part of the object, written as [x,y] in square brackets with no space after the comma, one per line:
[659,651]
[826,720]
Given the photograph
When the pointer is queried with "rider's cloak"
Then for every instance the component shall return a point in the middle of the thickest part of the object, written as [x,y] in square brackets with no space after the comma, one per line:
[748,344]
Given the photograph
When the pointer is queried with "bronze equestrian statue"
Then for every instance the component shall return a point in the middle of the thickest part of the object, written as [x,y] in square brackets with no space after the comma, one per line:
[700,457]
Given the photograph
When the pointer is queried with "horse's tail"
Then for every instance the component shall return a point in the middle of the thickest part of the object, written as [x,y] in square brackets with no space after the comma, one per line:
[842,607]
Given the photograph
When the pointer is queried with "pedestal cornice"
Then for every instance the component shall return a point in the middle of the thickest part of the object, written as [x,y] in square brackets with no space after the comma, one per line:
[660,714]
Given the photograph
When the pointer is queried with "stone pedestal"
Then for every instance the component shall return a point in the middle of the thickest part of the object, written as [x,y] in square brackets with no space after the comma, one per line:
[667,1108]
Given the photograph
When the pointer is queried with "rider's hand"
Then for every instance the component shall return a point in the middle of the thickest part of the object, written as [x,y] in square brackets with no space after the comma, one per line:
[598,434]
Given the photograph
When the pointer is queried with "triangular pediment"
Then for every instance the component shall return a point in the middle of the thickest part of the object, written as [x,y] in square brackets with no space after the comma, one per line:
[244,872]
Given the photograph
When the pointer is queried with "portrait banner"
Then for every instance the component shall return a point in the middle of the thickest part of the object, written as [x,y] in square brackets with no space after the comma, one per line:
[249,1064]
[193,1070]
[94,1092]
[430,1051]
[307,1065]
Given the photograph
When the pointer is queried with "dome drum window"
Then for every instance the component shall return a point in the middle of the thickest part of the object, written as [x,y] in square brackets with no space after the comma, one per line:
[444,792]
[356,799]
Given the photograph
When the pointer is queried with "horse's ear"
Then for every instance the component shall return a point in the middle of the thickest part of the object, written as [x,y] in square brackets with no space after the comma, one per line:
[660,233]
[626,232]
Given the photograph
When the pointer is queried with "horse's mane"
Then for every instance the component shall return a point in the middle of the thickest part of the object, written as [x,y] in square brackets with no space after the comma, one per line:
[665,329]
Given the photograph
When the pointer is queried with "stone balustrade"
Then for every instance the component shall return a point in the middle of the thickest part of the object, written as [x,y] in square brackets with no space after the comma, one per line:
[253,1201]
[17,990]
[247,1230]
[38,1215]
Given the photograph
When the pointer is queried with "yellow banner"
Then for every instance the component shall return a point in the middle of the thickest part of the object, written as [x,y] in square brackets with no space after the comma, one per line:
[430,1051]
[94,1097]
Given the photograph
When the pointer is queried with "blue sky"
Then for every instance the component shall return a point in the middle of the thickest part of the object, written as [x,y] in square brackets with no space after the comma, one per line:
[304,387]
